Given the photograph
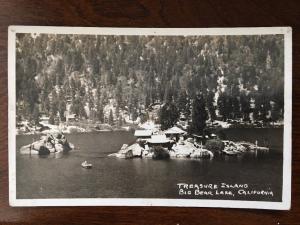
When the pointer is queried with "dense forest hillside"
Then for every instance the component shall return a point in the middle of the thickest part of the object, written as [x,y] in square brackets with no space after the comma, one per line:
[105,78]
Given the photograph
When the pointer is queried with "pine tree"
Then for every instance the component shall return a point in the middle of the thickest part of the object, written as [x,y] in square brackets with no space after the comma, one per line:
[236,108]
[262,106]
[77,60]
[78,107]
[45,103]
[62,105]
[73,87]
[182,101]
[144,117]
[117,111]
[168,116]
[199,115]
[60,72]
[62,109]
[111,118]
[51,119]
[54,103]
[222,106]
[245,106]
[275,112]
[210,105]
[168,97]
[36,115]
[156,67]
[99,112]
[134,115]
[120,121]
[147,100]
[119,93]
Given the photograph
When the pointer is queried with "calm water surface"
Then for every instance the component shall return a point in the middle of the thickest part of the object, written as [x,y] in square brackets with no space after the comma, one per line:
[61,176]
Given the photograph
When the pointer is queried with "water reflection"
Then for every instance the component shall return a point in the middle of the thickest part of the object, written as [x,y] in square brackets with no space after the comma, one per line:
[56,155]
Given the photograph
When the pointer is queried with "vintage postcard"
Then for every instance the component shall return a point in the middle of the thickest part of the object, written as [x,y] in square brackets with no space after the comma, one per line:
[150,117]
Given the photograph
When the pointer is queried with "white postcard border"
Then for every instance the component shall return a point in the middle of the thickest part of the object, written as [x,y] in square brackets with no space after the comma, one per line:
[287,151]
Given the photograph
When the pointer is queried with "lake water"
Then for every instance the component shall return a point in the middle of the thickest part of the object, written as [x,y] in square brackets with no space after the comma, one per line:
[61,176]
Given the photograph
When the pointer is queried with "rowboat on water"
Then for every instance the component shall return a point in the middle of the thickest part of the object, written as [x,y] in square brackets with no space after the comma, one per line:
[86,165]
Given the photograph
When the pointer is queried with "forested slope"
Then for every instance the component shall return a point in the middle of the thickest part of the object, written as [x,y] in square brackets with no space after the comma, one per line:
[229,77]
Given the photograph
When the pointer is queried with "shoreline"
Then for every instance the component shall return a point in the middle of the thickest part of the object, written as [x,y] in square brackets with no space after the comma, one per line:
[72,129]
[125,130]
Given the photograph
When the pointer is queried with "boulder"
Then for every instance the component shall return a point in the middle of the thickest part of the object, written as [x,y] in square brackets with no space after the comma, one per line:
[245,144]
[124,146]
[240,147]
[47,144]
[172,154]
[136,150]
[27,149]
[235,148]
[183,149]
[124,154]
[127,152]
[202,153]
[147,154]
[58,147]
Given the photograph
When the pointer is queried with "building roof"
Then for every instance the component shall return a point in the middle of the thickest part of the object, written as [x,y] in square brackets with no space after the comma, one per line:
[142,133]
[158,139]
[174,130]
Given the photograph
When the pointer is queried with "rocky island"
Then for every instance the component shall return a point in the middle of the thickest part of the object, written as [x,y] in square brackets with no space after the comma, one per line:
[177,144]
[50,143]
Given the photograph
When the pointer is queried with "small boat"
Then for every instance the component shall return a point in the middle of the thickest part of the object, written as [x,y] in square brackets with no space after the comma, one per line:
[86,165]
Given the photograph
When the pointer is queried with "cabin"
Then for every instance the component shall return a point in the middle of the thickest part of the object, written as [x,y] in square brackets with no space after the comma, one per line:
[143,134]
[159,140]
[174,132]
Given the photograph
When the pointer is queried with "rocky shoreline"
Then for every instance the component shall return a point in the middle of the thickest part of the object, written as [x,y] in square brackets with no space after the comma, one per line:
[157,146]
[25,128]
[47,144]
[186,149]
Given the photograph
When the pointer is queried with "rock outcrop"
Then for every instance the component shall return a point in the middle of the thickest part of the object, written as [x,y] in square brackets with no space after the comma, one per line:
[182,149]
[202,153]
[234,148]
[187,149]
[50,143]
[127,152]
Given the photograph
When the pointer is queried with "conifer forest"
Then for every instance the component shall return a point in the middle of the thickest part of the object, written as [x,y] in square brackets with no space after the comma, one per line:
[199,79]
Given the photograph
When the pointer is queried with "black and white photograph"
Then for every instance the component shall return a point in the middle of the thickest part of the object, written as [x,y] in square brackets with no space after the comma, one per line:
[150,117]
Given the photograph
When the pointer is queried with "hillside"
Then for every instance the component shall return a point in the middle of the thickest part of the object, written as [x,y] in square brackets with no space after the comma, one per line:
[114,79]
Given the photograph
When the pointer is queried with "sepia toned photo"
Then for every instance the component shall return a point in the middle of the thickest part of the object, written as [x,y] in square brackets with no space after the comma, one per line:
[150,117]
